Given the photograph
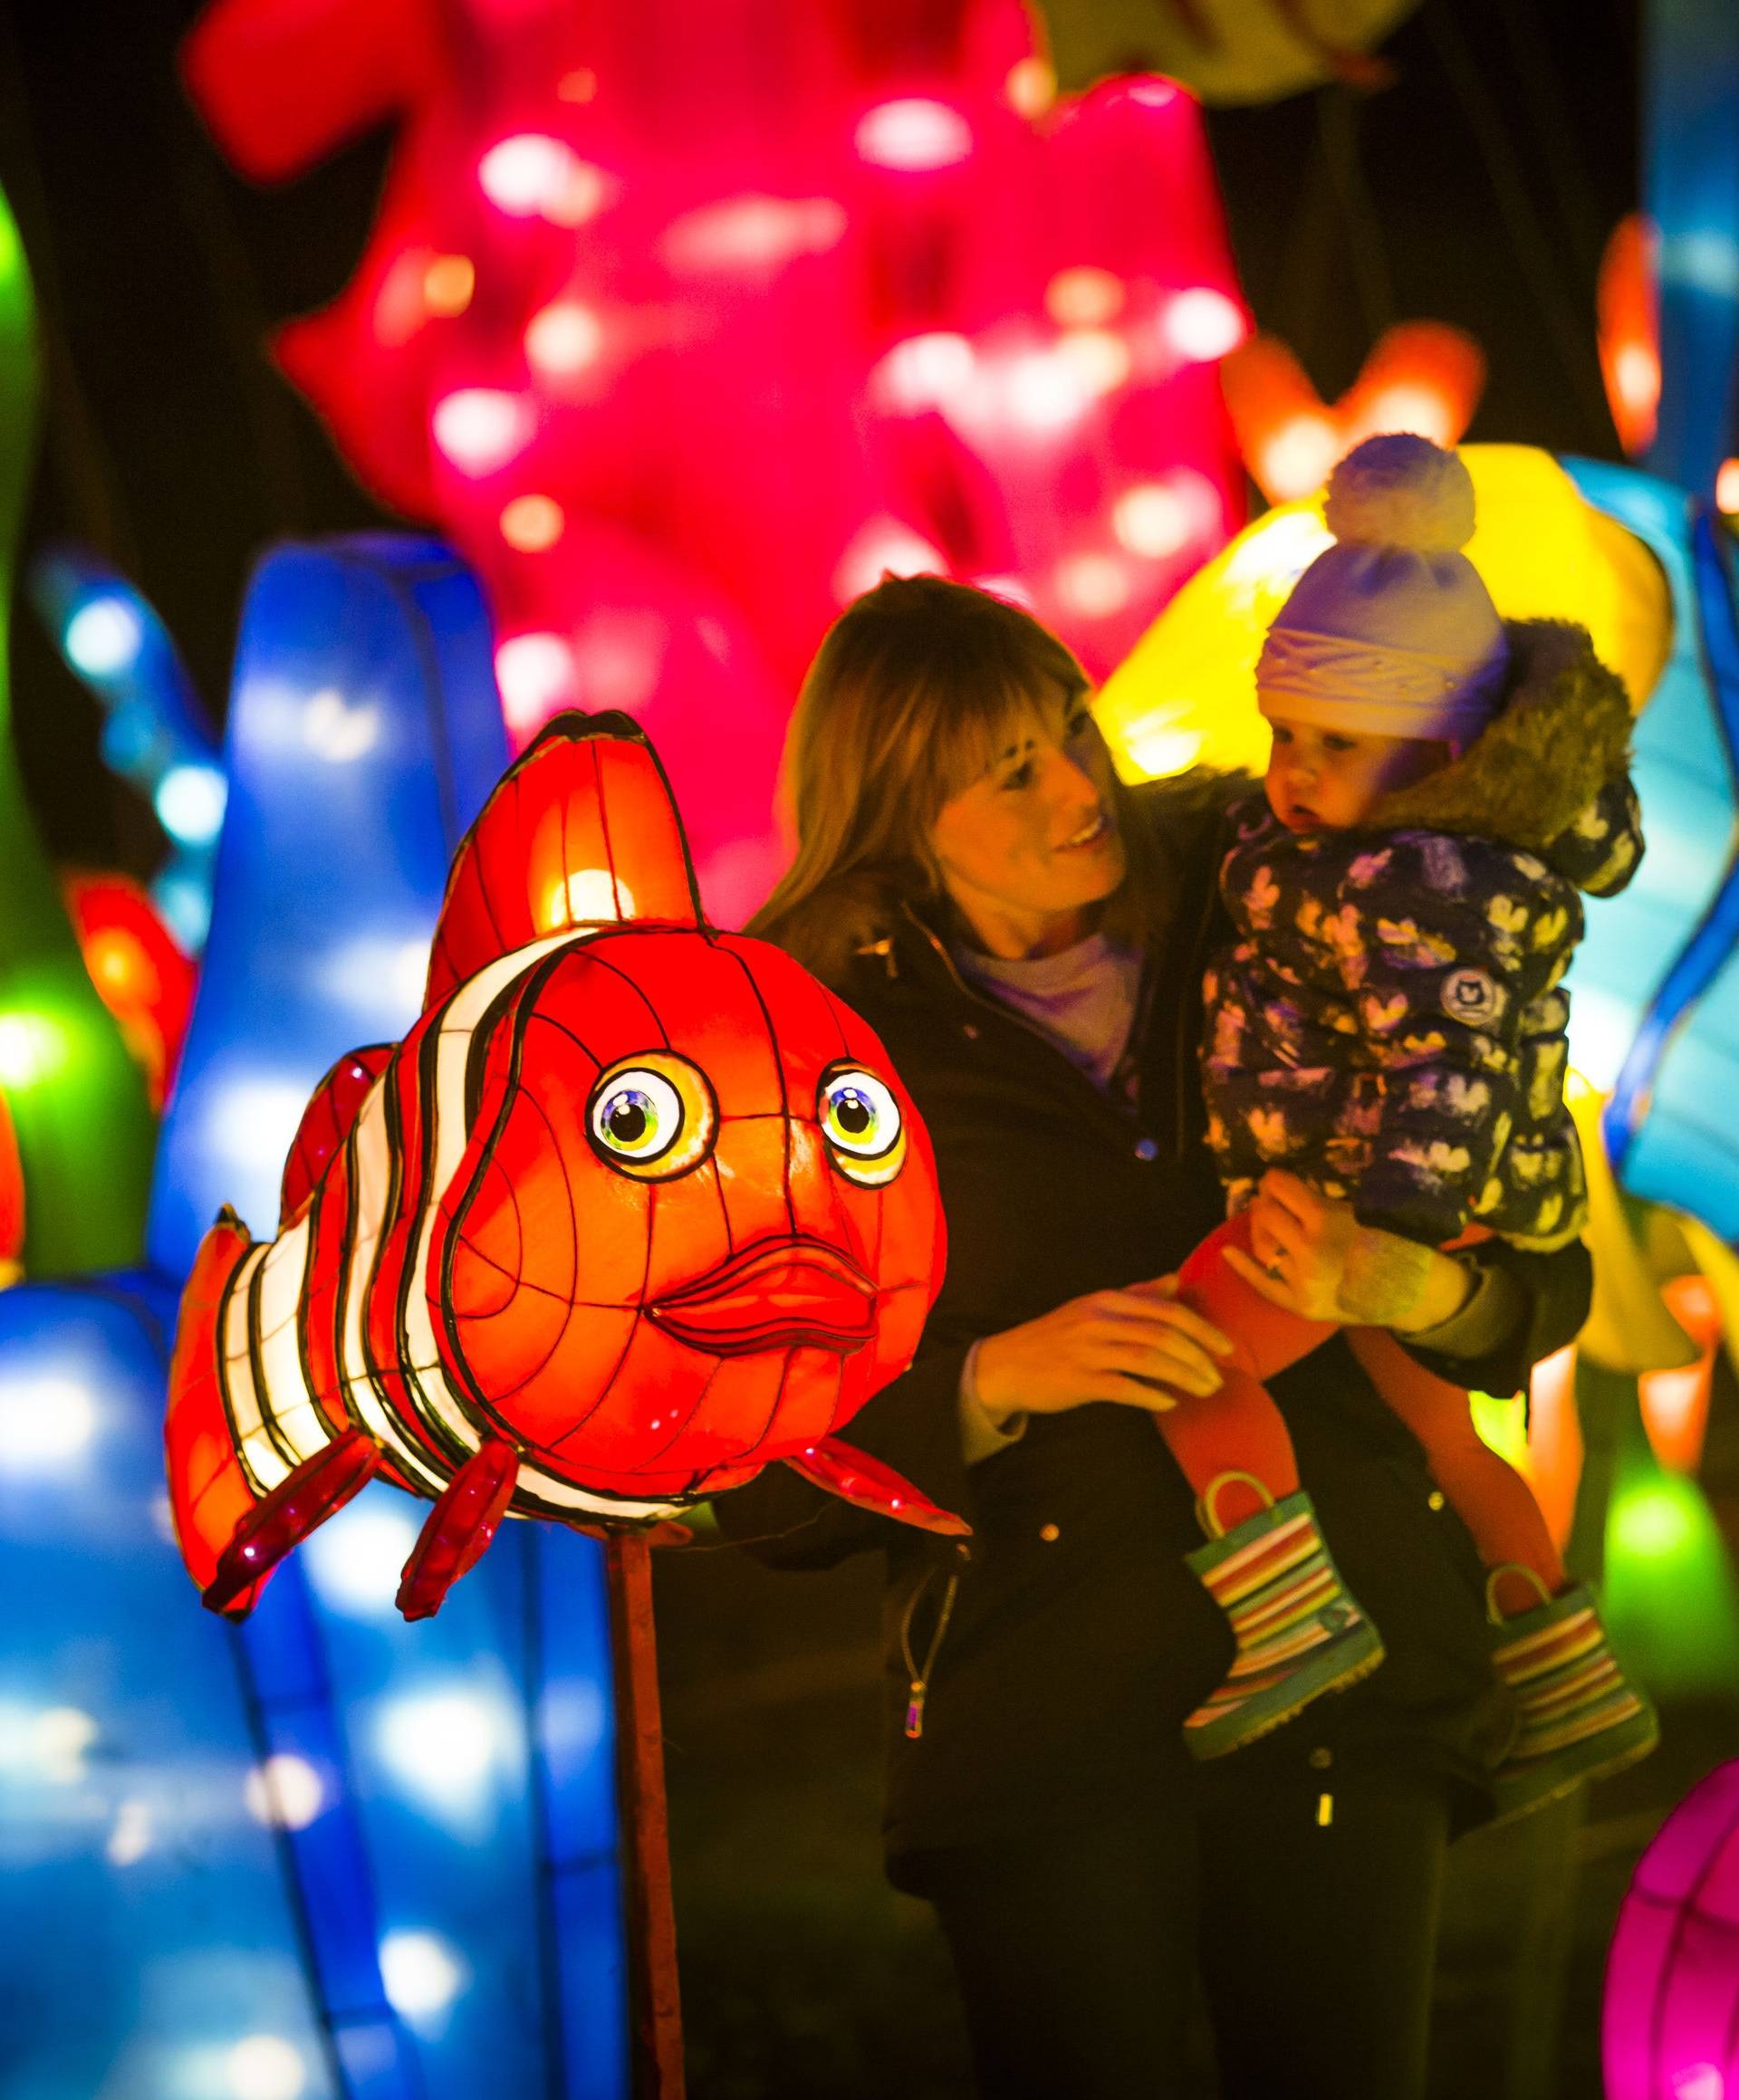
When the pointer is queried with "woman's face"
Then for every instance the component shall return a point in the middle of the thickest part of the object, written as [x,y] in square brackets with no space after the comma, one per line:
[1030,847]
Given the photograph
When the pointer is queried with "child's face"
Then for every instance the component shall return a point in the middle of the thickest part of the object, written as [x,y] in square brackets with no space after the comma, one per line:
[1326,780]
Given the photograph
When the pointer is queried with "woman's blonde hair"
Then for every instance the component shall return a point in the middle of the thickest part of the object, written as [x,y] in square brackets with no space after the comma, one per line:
[912,693]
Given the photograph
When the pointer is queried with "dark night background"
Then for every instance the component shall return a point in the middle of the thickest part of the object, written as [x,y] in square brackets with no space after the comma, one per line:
[1478,190]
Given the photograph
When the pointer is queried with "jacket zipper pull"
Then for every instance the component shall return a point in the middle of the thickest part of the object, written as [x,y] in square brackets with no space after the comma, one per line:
[915,1709]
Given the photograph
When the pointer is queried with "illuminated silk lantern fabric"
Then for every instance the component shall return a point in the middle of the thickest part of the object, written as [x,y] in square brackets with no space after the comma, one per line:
[682,355]
[1421,377]
[1690,187]
[1227,51]
[139,973]
[74,1103]
[1670,2029]
[155,734]
[1629,332]
[635,1209]
[1662,1011]
[261,1852]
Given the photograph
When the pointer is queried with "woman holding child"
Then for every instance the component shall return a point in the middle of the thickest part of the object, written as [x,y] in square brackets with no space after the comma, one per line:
[1111,1763]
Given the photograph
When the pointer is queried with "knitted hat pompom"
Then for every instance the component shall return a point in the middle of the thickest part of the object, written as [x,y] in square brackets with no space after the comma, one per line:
[1403,491]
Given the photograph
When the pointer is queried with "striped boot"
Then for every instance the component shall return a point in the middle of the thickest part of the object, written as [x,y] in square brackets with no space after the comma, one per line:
[1299,1632]
[1580,1717]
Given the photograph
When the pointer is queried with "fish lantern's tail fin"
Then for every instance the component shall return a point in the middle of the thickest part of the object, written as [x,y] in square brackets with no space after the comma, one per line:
[209,1493]
[582,833]
[327,1121]
[857,1478]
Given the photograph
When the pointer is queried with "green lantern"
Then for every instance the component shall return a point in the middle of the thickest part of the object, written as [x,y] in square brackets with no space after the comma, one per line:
[75,1099]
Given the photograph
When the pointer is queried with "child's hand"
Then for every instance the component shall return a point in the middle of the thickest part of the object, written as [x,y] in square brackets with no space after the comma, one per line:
[1312,1256]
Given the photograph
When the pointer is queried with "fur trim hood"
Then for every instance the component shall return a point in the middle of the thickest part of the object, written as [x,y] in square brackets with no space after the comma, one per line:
[1562,741]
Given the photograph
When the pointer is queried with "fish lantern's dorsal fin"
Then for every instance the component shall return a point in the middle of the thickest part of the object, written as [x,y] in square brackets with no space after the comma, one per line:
[582,832]
[327,1121]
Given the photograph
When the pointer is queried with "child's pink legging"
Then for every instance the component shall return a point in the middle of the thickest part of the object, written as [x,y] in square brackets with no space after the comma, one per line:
[1239,1429]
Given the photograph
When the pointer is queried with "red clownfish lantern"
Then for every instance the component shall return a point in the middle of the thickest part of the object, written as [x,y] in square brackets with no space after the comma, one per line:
[635,1209]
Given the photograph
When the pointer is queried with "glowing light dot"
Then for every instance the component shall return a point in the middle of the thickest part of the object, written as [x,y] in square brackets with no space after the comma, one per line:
[563,339]
[1726,486]
[1093,586]
[1635,369]
[536,673]
[884,547]
[1101,358]
[1160,753]
[43,1422]
[1202,324]
[586,897]
[1152,93]
[1422,411]
[336,731]
[441,1745]
[103,638]
[284,1793]
[913,134]
[420,1971]
[1652,1523]
[448,282]
[752,232]
[1044,391]
[355,1559]
[31,1048]
[1006,587]
[480,428]
[531,176]
[1084,297]
[1030,86]
[61,1737]
[530,523]
[189,802]
[264,2067]
[578,86]
[1699,2082]
[1159,518]
[925,371]
[115,959]
[1297,458]
[130,1839]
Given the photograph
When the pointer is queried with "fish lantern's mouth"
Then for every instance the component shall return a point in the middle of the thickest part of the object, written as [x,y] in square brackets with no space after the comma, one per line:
[776,1295]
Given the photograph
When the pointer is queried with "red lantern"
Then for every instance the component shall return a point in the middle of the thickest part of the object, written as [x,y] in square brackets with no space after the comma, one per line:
[1627,304]
[139,972]
[1671,2024]
[636,1208]
[1421,375]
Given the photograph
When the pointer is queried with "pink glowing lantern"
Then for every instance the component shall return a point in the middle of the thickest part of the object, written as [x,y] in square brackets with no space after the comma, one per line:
[1671,2024]
[685,322]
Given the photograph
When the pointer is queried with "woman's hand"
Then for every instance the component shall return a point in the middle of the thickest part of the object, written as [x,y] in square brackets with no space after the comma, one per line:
[1312,1255]
[1127,1345]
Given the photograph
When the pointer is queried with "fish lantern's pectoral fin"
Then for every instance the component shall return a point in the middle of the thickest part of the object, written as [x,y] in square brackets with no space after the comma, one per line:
[458,1528]
[855,1477]
[318,1489]
[580,833]
[327,1121]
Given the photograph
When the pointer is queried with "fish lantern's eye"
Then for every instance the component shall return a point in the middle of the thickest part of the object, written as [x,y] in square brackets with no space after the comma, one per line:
[652,1117]
[860,1119]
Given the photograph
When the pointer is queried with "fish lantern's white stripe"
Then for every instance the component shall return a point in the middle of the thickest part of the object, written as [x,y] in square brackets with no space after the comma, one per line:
[282,1280]
[456,1030]
[261,1459]
[371,1181]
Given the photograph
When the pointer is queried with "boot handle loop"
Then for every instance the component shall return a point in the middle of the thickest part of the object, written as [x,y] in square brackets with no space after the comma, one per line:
[1206,1511]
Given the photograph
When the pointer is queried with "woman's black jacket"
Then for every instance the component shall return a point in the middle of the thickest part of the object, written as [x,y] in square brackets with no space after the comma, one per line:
[1078,1640]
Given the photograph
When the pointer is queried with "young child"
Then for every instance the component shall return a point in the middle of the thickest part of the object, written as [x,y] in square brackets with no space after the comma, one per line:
[1388,1025]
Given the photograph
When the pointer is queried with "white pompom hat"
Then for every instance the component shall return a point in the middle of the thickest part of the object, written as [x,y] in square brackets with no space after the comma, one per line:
[1390,630]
